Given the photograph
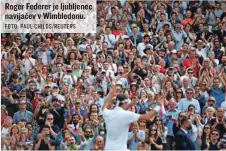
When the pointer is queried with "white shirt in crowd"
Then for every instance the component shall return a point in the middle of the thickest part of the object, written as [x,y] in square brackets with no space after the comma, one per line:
[141,46]
[117,125]
[110,39]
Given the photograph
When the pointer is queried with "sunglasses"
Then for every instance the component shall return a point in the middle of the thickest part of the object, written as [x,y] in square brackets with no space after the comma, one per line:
[189,92]
[211,100]
[89,132]
[99,141]
[143,121]
[215,134]
[190,72]
[179,92]
[158,120]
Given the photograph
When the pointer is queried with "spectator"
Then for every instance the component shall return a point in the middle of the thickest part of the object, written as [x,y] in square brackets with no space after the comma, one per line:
[183,141]
[22,113]
[184,103]
[150,51]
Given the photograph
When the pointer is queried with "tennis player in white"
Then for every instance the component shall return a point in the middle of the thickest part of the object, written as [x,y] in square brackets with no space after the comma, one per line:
[119,119]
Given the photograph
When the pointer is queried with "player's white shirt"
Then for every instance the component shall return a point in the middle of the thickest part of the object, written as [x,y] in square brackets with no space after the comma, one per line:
[117,125]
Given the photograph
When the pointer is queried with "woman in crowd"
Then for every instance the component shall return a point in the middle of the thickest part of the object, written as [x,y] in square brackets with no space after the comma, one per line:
[155,142]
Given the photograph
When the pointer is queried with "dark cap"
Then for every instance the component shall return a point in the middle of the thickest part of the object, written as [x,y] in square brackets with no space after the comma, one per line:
[15,76]
[147,48]
[77,100]
[55,87]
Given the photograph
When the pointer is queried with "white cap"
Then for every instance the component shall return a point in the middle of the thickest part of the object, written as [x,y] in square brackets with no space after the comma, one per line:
[174,51]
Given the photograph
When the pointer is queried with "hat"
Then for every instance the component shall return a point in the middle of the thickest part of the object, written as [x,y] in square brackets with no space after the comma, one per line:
[206,59]
[37,92]
[55,87]
[203,82]
[134,25]
[23,130]
[14,126]
[30,46]
[61,97]
[147,48]
[119,83]
[212,98]
[47,86]
[174,51]
[162,49]
[126,65]
[77,100]
[200,41]
[3,107]
[15,76]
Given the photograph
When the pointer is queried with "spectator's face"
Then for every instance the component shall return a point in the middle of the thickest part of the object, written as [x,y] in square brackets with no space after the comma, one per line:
[75,119]
[116,53]
[209,113]
[197,89]
[172,105]
[131,55]
[206,64]
[93,116]
[120,69]
[88,133]
[188,14]
[102,22]
[142,147]
[46,131]
[105,66]
[146,40]
[108,30]
[59,67]
[153,130]
[207,129]
[71,140]
[223,59]
[100,142]
[191,110]
[18,41]
[50,118]
[163,17]
[188,124]
[20,147]
[216,83]
[215,135]
[220,112]
[23,105]
[135,127]
[49,77]
[94,108]
[147,81]
[189,94]
[38,39]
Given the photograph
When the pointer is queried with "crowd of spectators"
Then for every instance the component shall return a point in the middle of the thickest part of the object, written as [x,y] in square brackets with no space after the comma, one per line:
[54,85]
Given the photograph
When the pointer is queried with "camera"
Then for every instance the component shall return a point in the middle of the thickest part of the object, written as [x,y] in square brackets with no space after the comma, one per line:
[169,116]
[138,81]
[99,80]
[69,71]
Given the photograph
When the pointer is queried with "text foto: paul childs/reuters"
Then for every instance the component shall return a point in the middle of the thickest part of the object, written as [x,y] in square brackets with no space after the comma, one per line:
[40,26]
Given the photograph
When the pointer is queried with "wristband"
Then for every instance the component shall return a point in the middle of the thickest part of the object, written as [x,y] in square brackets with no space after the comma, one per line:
[157,109]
